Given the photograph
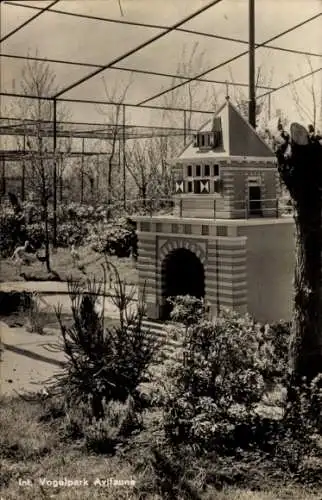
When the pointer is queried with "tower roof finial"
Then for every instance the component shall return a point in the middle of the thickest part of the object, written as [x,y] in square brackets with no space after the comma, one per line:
[227,91]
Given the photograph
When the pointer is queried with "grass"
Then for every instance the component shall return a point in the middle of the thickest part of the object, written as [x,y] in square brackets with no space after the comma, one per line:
[34,448]
[62,263]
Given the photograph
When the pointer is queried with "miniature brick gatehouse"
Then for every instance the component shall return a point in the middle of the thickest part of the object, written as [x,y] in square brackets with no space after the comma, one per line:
[226,242]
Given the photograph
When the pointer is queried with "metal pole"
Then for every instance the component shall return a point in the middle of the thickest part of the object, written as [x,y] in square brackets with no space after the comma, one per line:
[3,177]
[23,171]
[61,179]
[185,128]
[252,88]
[98,178]
[124,155]
[55,177]
[82,172]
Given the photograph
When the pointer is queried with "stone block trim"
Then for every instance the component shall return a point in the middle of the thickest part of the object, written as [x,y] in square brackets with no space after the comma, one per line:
[226,273]
[174,244]
[223,259]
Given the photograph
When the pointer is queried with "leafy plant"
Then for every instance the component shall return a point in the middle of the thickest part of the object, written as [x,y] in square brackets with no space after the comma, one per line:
[120,421]
[118,238]
[187,310]
[217,381]
[12,231]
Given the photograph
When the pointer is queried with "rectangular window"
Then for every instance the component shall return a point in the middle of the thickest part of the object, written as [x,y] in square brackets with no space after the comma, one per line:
[198,171]
[187,229]
[189,171]
[222,231]
[207,170]
[174,228]
[205,230]
[158,227]
[196,186]
[202,140]
[216,186]
[215,170]
[190,187]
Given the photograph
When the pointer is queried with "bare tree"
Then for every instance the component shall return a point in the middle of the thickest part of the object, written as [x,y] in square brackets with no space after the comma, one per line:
[142,162]
[308,103]
[191,96]
[114,119]
[38,79]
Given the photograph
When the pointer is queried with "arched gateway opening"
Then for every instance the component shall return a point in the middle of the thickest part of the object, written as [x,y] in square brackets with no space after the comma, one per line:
[182,274]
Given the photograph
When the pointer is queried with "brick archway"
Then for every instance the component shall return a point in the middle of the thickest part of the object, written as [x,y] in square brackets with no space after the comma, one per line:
[176,244]
[182,273]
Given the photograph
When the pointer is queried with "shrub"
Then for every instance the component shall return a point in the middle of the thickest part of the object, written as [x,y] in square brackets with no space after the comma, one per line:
[118,238]
[33,213]
[301,429]
[217,382]
[120,421]
[104,362]
[36,234]
[12,231]
[187,310]
[276,338]
[67,233]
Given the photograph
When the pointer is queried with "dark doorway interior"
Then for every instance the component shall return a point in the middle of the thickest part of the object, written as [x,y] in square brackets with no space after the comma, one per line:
[183,274]
[255,202]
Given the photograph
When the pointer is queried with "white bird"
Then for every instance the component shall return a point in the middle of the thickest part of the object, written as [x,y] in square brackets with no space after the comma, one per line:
[98,307]
[75,254]
[21,256]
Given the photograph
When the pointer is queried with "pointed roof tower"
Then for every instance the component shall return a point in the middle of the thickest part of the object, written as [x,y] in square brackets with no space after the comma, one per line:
[237,138]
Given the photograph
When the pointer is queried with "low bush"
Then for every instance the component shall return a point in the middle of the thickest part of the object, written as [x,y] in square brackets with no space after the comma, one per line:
[12,231]
[67,233]
[186,309]
[118,238]
[120,421]
[217,382]
[36,234]
[78,224]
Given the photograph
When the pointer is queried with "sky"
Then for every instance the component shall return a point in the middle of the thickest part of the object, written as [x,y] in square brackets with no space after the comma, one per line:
[61,36]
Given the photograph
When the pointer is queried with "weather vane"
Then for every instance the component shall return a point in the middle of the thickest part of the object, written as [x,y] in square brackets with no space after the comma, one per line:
[227,90]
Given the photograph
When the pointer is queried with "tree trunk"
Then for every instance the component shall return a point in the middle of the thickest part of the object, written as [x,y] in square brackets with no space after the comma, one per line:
[47,254]
[306,348]
[301,172]
[143,194]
